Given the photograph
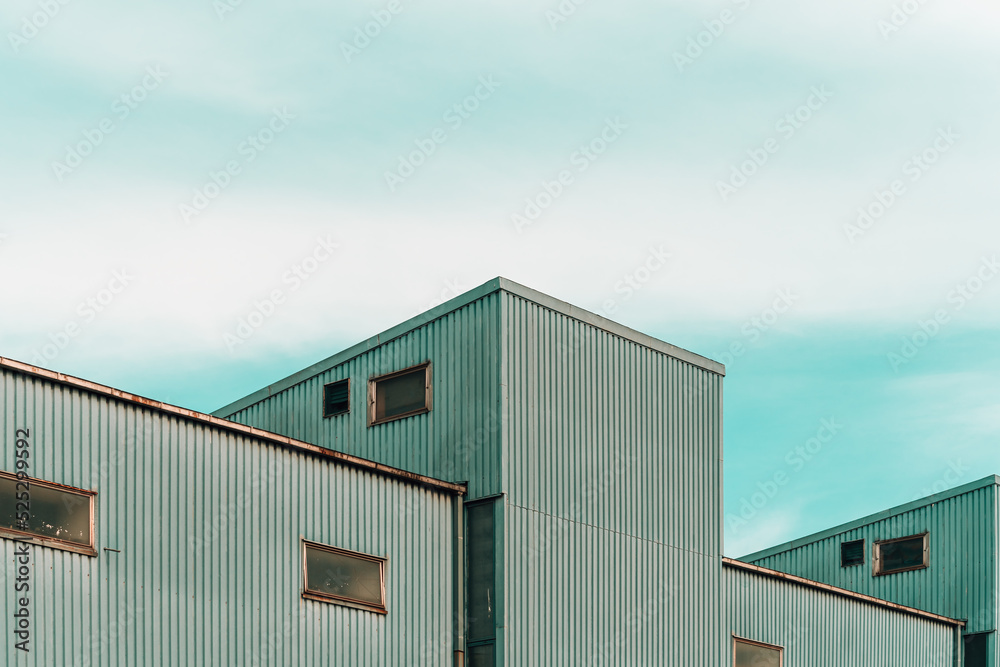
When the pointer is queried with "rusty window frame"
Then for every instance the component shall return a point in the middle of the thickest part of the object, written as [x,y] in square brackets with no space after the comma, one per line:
[54,542]
[852,542]
[879,571]
[319,596]
[326,388]
[373,419]
[752,642]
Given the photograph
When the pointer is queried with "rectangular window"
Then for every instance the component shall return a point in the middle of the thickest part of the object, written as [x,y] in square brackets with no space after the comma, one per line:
[47,514]
[343,577]
[336,398]
[481,656]
[977,649]
[748,653]
[480,569]
[901,554]
[401,394]
[852,553]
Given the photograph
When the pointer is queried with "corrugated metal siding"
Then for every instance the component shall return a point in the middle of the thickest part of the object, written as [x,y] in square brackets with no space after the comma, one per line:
[577,594]
[820,629]
[457,441]
[613,467]
[960,581]
[235,598]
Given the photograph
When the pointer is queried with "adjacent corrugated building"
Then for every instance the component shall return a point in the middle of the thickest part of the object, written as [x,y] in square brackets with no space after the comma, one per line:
[195,555]
[504,480]
[938,553]
[593,455]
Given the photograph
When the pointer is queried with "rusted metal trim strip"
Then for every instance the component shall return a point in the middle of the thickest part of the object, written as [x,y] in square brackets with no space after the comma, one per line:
[274,438]
[809,583]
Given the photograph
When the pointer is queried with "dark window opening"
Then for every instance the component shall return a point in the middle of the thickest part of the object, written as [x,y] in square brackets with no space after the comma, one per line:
[852,553]
[901,554]
[401,394]
[336,398]
[481,584]
[977,649]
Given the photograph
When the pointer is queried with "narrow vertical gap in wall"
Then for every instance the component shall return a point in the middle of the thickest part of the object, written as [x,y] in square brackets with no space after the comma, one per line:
[480,568]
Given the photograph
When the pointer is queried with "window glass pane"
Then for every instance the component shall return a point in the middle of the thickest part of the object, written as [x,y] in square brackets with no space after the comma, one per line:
[751,655]
[977,648]
[481,656]
[852,553]
[54,513]
[344,576]
[480,570]
[335,398]
[902,554]
[400,395]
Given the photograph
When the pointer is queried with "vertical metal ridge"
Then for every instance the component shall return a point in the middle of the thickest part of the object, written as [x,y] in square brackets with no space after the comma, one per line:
[161,481]
[611,457]
[820,629]
[960,581]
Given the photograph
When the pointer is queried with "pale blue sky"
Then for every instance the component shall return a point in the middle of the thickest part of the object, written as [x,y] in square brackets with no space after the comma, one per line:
[308,135]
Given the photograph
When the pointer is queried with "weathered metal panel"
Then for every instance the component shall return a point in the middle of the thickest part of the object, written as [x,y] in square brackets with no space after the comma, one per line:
[822,629]
[207,526]
[578,594]
[612,453]
[456,441]
[960,580]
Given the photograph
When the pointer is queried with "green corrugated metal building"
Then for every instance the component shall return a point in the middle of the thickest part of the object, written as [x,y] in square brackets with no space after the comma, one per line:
[503,480]
[952,566]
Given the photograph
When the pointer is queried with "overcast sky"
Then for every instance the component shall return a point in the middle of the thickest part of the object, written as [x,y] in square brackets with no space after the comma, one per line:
[804,192]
